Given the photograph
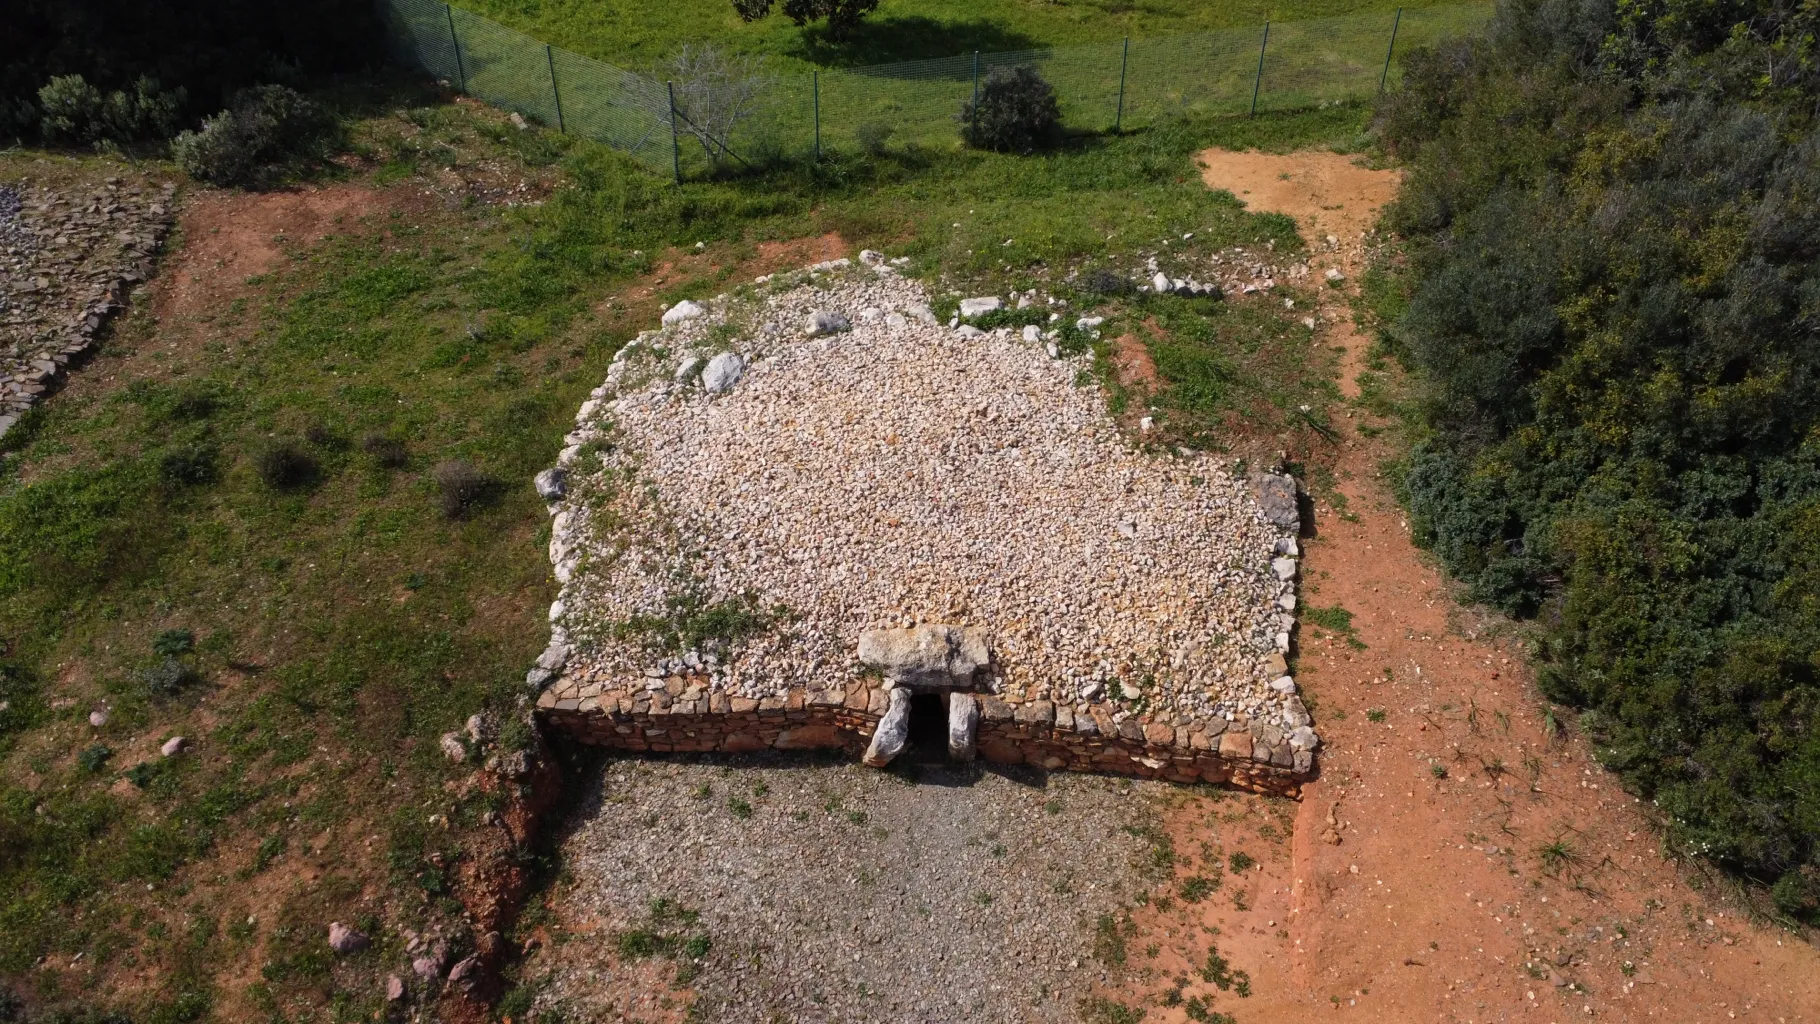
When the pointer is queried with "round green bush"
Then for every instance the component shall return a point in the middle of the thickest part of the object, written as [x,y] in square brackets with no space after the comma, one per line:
[1016,113]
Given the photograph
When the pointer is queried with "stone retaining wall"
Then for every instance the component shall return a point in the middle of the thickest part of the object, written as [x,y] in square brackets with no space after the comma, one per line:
[679,716]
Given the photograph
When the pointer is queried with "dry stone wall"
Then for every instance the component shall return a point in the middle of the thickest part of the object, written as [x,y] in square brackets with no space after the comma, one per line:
[69,255]
[680,717]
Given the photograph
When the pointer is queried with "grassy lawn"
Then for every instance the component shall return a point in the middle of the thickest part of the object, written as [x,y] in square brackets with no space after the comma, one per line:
[636,35]
[313,633]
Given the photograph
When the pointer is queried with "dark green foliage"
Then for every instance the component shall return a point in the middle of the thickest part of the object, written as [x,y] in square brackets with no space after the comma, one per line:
[200,50]
[71,111]
[1016,112]
[168,677]
[1613,225]
[189,465]
[94,758]
[174,642]
[266,133]
[285,466]
[842,15]
[1100,281]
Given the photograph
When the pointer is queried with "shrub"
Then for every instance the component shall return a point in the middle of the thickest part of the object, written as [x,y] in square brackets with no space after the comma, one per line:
[267,132]
[173,642]
[1100,281]
[1016,113]
[285,466]
[1610,231]
[168,678]
[462,486]
[94,758]
[75,112]
[842,15]
[386,451]
[189,465]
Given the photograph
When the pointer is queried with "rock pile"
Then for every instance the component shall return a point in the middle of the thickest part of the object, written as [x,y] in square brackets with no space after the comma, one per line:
[68,258]
[726,538]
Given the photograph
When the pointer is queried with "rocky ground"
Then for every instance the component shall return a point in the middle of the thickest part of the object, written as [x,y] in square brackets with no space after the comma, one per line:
[822,457]
[770,889]
[69,253]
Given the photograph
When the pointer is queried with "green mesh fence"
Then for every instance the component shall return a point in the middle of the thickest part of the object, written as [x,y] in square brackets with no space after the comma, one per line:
[690,128]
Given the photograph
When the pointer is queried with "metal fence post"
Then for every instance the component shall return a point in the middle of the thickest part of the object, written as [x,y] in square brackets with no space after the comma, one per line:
[974,108]
[550,59]
[675,146]
[460,69]
[1118,121]
[1258,82]
[818,113]
[1385,77]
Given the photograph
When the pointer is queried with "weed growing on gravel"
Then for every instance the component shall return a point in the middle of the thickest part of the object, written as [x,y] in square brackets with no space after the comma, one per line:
[1335,620]
[1109,934]
[739,808]
[1100,1010]
[1375,715]
[1240,862]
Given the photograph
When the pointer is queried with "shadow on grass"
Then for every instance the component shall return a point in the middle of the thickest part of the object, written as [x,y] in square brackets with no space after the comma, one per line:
[889,40]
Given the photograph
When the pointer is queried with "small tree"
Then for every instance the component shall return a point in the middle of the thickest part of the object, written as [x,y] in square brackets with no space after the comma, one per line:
[1016,113]
[842,15]
[715,92]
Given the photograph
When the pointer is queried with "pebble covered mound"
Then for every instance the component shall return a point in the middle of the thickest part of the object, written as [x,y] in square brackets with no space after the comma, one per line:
[855,465]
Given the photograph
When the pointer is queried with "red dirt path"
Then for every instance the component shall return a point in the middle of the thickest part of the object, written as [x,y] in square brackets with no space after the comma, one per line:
[1445,897]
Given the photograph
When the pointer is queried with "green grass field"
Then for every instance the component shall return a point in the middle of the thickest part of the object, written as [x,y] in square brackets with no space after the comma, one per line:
[336,626]
[637,35]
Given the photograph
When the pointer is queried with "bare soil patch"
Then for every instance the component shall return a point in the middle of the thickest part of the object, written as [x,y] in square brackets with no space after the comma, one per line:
[1463,857]
[231,236]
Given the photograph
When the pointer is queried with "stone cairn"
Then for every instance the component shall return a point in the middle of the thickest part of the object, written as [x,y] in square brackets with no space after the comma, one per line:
[1259,739]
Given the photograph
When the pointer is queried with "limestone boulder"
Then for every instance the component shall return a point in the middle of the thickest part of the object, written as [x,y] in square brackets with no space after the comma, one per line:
[927,657]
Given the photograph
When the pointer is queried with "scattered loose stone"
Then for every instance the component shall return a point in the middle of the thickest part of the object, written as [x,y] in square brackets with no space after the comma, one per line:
[681,312]
[173,746]
[552,483]
[453,748]
[394,989]
[345,940]
[98,717]
[823,322]
[723,372]
[981,306]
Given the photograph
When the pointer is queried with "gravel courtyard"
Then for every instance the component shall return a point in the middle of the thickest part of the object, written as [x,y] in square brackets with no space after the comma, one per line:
[832,892]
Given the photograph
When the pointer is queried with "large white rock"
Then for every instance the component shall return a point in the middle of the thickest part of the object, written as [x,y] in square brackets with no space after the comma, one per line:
[723,372]
[981,305]
[824,321]
[684,310]
[931,656]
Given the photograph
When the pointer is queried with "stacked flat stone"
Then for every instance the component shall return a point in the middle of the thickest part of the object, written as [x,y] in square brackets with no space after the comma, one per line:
[68,258]
[854,466]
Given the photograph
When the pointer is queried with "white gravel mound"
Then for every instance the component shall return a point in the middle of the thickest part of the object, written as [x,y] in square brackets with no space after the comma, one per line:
[899,472]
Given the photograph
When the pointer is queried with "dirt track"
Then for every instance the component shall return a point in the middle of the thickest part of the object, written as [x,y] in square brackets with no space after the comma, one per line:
[1486,868]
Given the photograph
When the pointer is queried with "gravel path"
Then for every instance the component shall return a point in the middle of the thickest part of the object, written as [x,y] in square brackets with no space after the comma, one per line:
[844,894]
[899,472]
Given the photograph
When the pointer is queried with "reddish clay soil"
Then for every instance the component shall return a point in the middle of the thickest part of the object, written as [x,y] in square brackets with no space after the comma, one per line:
[231,236]
[1462,858]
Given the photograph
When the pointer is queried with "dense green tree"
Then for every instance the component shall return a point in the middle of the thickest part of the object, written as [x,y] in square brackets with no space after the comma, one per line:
[1613,238]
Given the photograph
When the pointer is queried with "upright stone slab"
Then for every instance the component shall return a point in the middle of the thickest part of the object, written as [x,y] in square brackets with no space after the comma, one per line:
[893,730]
[963,725]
